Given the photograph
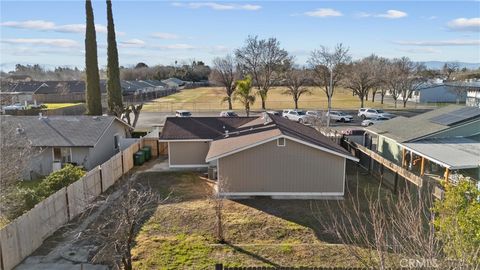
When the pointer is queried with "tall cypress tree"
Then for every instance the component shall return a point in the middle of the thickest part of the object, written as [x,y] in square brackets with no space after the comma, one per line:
[93,95]
[114,89]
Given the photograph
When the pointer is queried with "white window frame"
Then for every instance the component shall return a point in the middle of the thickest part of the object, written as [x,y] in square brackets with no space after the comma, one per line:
[284,142]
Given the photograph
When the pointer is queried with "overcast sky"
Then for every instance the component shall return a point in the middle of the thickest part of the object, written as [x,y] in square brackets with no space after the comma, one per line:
[51,33]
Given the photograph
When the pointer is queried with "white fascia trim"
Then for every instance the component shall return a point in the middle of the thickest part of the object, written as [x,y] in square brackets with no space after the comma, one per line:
[189,166]
[287,137]
[281,193]
[190,140]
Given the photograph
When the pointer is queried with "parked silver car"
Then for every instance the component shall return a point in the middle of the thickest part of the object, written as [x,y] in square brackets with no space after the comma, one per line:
[183,113]
[370,122]
[367,113]
[339,116]
[228,114]
[295,115]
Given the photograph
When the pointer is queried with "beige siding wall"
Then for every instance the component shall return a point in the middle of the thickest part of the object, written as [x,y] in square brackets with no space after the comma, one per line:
[293,168]
[188,153]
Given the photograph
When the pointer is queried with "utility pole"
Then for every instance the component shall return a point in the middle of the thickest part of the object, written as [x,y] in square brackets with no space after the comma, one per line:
[330,92]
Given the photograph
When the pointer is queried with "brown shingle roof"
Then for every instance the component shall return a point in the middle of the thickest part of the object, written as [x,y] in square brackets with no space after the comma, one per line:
[195,128]
[243,131]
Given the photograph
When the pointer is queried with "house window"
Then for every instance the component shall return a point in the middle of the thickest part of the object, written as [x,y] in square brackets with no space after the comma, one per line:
[61,154]
[116,141]
[281,142]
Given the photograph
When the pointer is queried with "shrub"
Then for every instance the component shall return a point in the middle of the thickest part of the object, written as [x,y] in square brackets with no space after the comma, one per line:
[458,221]
[61,178]
[52,183]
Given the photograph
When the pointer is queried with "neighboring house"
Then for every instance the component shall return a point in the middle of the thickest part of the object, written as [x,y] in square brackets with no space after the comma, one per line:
[85,141]
[436,142]
[19,78]
[473,94]
[259,156]
[174,82]
[436,92]
[19,92]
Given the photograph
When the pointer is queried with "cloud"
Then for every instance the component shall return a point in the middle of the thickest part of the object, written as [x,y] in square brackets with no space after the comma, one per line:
[389,14]
[161,35]
[323,12]
[452,42]
[392,14]
[55,42]
[421,50]
[465,24]
[135,42]
[217,6]
[51,26]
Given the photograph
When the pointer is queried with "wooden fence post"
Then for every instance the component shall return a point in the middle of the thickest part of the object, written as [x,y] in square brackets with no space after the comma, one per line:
[395,185]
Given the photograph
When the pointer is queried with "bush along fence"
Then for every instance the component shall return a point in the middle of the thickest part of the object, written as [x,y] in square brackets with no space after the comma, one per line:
[26,233]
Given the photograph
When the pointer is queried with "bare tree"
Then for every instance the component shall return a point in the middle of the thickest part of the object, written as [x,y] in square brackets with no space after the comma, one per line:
[224,73]
[450,68]
[127,111]
[329,69]
[16,153]
[264,60]
[411,79]
[360,78]
[295,81]
[459,89]
[394,79]
[381,230]
[120,232]
[380,67]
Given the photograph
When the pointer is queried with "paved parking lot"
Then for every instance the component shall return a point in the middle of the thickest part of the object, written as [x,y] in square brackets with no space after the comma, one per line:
[149,119]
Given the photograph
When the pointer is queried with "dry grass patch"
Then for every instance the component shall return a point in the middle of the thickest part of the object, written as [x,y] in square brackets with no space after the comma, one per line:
[210,99]
[259,232]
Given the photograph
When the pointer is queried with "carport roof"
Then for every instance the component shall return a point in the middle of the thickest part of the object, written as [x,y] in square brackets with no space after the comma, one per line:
[453,153]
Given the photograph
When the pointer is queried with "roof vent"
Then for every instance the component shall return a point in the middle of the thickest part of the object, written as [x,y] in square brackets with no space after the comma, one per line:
[40,116]
[95,117]
[20,130]
[226,133]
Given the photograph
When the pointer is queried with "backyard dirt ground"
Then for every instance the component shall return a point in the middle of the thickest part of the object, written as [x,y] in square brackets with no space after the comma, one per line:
[179,234]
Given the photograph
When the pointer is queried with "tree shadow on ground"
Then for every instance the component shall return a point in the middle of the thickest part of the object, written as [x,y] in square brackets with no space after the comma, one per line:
[315,214]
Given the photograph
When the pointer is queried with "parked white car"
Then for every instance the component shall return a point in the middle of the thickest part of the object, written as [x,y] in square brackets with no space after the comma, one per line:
[373,121]
[295,115]
[368,113]
[273,112]
[339,116]
[16,106]
[183,113]
[228,114]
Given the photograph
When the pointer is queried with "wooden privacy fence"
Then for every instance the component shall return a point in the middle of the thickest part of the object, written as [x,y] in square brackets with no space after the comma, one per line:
[26,233]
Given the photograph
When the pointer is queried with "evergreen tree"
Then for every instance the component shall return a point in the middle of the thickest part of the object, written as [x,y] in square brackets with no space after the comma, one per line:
[93,95]
[114,89]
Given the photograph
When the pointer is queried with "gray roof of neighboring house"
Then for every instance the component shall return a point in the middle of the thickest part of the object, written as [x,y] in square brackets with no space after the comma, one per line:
[61,131]
[454,153]
[402,129]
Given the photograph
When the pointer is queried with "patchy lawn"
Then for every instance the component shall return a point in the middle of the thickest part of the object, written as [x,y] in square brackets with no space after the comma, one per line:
[210,98]
[259,232]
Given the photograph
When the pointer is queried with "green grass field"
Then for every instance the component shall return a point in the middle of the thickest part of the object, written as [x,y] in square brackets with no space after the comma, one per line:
[210,99]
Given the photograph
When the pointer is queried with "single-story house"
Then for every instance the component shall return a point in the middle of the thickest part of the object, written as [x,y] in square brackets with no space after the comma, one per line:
[431,92]
[439,142]
[85,141]
[259,156]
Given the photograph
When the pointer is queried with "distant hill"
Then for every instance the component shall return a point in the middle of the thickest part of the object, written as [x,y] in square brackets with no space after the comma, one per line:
[439,65]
